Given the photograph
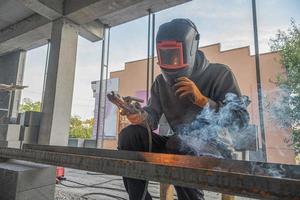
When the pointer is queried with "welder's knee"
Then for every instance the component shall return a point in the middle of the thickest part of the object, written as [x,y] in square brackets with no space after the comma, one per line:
[131,138]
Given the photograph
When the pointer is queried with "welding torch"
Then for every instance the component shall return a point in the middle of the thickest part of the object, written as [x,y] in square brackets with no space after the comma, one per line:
[129,105]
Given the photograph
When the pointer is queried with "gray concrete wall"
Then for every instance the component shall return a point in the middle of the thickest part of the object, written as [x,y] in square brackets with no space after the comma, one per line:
[11,72]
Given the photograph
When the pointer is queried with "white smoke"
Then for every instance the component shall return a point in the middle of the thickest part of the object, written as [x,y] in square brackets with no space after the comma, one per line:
[214,133]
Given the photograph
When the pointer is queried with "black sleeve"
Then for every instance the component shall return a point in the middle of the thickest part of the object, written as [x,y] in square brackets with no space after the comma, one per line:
[226,83]
[153,107]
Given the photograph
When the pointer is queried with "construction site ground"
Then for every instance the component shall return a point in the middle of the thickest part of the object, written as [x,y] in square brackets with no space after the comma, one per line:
[85,185]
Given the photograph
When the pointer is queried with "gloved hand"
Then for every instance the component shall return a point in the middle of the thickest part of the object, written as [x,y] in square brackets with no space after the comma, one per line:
[187,88]
[135,119]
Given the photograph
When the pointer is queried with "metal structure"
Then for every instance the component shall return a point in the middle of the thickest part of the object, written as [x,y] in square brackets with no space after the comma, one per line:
[100,89]
[153,48]
[148,56]
[250,179]
[258,81]
[150,52]
[10,88]
[104,64]
[105,89]
[45,72]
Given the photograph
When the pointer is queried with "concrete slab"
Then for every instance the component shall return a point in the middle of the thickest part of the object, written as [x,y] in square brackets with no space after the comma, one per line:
[26,29]
[89,143]
[25,180]
[3,114]
[10,132]
[30,118]
[75,142]
[10,144]
[47,8]
[29,135]
[3,143]
[9,135]
[41,193]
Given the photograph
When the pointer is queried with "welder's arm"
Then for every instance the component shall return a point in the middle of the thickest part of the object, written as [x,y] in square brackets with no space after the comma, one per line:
[227,83]
[153,108]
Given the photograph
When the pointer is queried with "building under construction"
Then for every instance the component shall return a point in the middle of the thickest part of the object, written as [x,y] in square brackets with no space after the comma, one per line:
[35,148]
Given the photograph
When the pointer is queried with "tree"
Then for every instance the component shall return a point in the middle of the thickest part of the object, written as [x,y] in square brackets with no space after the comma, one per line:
[78,128]
[288,45]
[29,105]
[81,129]
[89,124]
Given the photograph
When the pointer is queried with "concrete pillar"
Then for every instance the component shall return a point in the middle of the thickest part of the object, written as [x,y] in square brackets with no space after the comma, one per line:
[58,93]
[12,70]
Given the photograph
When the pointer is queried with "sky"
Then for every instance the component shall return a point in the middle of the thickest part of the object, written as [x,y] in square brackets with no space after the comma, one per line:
[228,22]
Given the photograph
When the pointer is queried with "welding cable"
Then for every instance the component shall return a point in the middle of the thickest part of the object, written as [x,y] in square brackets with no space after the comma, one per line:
[102,194]
[85,185]
[149,136]
[153,184]
[98,174]
[104,187]
[150,150]
[100,187]
[92,186]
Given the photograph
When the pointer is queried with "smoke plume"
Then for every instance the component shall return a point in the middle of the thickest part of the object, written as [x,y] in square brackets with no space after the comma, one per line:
[213,133]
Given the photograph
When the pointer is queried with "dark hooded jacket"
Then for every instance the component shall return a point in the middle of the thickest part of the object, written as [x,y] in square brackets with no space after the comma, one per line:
[213,80]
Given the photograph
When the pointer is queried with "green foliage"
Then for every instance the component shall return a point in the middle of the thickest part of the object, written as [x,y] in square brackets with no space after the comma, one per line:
[295,138]
[288,45]
[78,127]
[30,106]
[81,129]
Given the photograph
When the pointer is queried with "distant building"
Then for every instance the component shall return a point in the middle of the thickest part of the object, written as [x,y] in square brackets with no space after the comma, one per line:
[109,117]
[132,81]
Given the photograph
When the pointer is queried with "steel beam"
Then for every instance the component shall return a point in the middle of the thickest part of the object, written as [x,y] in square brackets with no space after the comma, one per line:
[251,179]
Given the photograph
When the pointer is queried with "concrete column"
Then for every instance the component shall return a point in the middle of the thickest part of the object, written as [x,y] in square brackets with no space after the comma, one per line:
[12,70]
[58,93]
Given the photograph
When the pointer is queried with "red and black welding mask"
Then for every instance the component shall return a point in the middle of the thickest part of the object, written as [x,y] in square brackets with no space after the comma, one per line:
[170,55]
[176,45]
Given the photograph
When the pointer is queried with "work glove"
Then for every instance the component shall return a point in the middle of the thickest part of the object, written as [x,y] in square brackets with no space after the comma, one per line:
[137,118]
[187,88]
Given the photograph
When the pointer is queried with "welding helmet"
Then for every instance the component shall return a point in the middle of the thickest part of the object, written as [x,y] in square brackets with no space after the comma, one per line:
[176,44]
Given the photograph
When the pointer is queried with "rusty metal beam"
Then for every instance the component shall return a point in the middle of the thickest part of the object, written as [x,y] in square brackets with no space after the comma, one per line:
[251,179]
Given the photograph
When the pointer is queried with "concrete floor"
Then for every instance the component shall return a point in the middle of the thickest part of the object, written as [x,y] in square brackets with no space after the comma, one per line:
[107,184]
[110,187]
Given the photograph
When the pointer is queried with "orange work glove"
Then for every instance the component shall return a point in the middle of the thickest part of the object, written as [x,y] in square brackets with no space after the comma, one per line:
[187,88]
[135,119]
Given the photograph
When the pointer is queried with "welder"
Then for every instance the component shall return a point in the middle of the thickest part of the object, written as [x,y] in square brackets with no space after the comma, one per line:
[188,82]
